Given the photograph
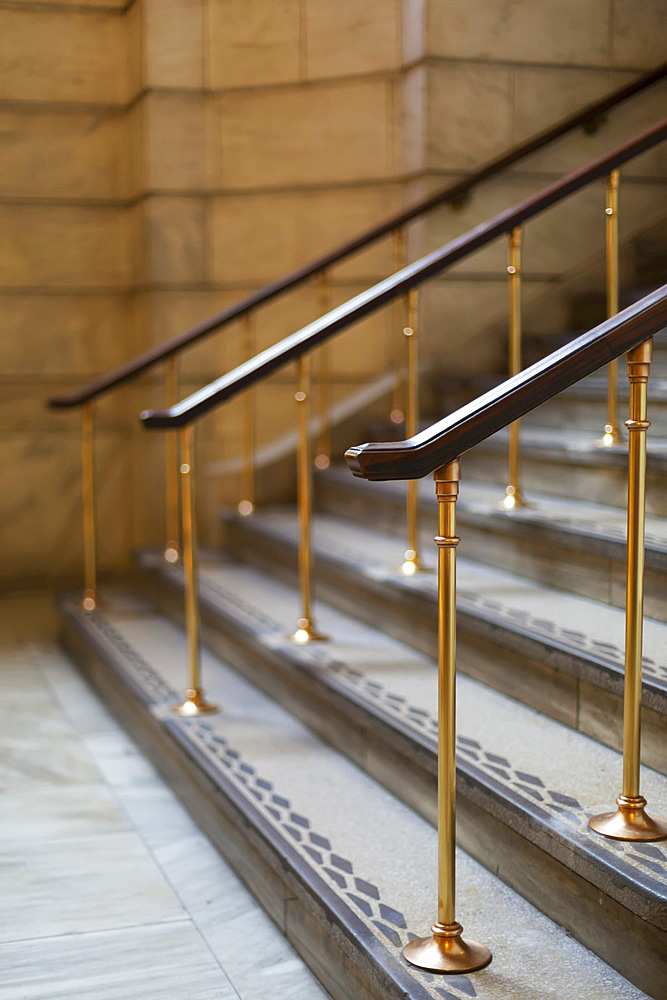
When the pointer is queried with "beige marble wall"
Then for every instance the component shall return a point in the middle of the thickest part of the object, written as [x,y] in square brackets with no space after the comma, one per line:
[162,158]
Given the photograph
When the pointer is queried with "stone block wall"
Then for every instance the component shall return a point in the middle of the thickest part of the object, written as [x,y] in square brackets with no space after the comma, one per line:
[162,158]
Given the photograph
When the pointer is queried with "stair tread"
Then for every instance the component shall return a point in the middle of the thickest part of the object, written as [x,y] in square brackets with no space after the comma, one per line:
[552,513]
[339,828]
[587,626]
[577,444]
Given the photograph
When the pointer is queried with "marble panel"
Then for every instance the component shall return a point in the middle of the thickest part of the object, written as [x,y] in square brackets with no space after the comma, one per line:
[348,37]
[258,237]
[85,884]
[468,115]
[250,45]
[177,137]
[173,43]
[42,751]
[639,35]
[413,30]
[139,963]
[87,65]
[37,814]
[50,154]
[520,31]
[338,132]
[412,124]
[119,759]
[64,246]
[175,239]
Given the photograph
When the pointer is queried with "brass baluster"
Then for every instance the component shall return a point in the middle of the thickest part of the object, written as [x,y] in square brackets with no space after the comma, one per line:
[172,548]
[323,456]
[513,495]
[195,702]
[411,562]
[629,821]
[397,413]
[305,628]
[246,505]
[88,499]
[445,950]
[612,433]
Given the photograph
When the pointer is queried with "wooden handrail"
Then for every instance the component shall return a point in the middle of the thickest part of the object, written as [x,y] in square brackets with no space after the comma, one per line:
[451,194]
[457,433]
[361,305]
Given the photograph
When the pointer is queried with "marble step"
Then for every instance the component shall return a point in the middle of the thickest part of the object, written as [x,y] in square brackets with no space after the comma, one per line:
[557,653]
[573,545]
[568,463]
[346,869]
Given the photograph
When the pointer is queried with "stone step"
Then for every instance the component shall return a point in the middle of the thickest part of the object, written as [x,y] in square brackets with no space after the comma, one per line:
[575,546]
[570,464]
[557,653]
[344,867]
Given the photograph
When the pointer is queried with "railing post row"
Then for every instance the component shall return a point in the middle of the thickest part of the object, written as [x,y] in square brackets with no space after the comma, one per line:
[446,950]
[305,629]
[629,821]
[88,509]
[246,504]
[513,494]
[612,433]
[172,548]
[323,456]
[195,702]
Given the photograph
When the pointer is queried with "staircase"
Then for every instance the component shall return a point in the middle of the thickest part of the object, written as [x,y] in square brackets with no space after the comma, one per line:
[317,779]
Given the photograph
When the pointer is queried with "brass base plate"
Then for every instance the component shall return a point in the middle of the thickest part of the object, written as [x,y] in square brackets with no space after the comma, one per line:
[447,952]
[629,822]
[306,632]
[195,704]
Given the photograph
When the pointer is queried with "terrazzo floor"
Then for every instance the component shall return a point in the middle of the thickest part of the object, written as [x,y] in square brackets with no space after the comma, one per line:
[110,891]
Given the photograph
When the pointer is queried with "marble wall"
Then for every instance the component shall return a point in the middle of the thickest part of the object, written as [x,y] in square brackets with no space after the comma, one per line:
[161,158]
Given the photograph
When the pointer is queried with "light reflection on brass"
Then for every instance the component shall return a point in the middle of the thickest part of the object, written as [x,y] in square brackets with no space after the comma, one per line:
[305,629]
[172,548]
[195,702]
[397,415]
[323,450]
[246,505]
[513,496]
[629,821]
[88,497]
[612,433]
[445,950]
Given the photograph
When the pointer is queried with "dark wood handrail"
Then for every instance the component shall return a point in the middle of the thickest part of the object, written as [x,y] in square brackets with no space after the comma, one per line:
[457,433]
[451,194]
[361,305]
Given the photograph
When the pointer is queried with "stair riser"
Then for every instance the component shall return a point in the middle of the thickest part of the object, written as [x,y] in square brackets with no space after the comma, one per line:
[521,549]
[567,410]
[516,666]
[561,477]
[409,771]
[290,902]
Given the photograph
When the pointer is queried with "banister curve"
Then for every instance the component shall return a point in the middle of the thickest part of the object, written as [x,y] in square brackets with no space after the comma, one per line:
[459,431]
[321,329]
[453,193]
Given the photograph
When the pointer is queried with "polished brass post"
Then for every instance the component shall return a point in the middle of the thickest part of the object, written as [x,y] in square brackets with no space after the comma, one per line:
[397,415]
[629,821]
[195,702]
[88,497]
[411,562]
[172,548]
[445,950]
[246,504]
[305,628]
[612,433]
[323,456]
[513,496]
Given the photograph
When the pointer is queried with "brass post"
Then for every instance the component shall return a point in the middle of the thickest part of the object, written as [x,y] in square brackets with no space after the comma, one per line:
[629,821]
[172,548]
[397,415]
[88,498]
[195,702]
[411,562]
[612,433]
[445,950]
[323,456]
[246,505]
[513,497]
[305,628]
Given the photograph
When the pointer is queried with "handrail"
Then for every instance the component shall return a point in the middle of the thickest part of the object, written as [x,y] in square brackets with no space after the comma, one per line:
[468,426]
[321,329]
[451,194]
